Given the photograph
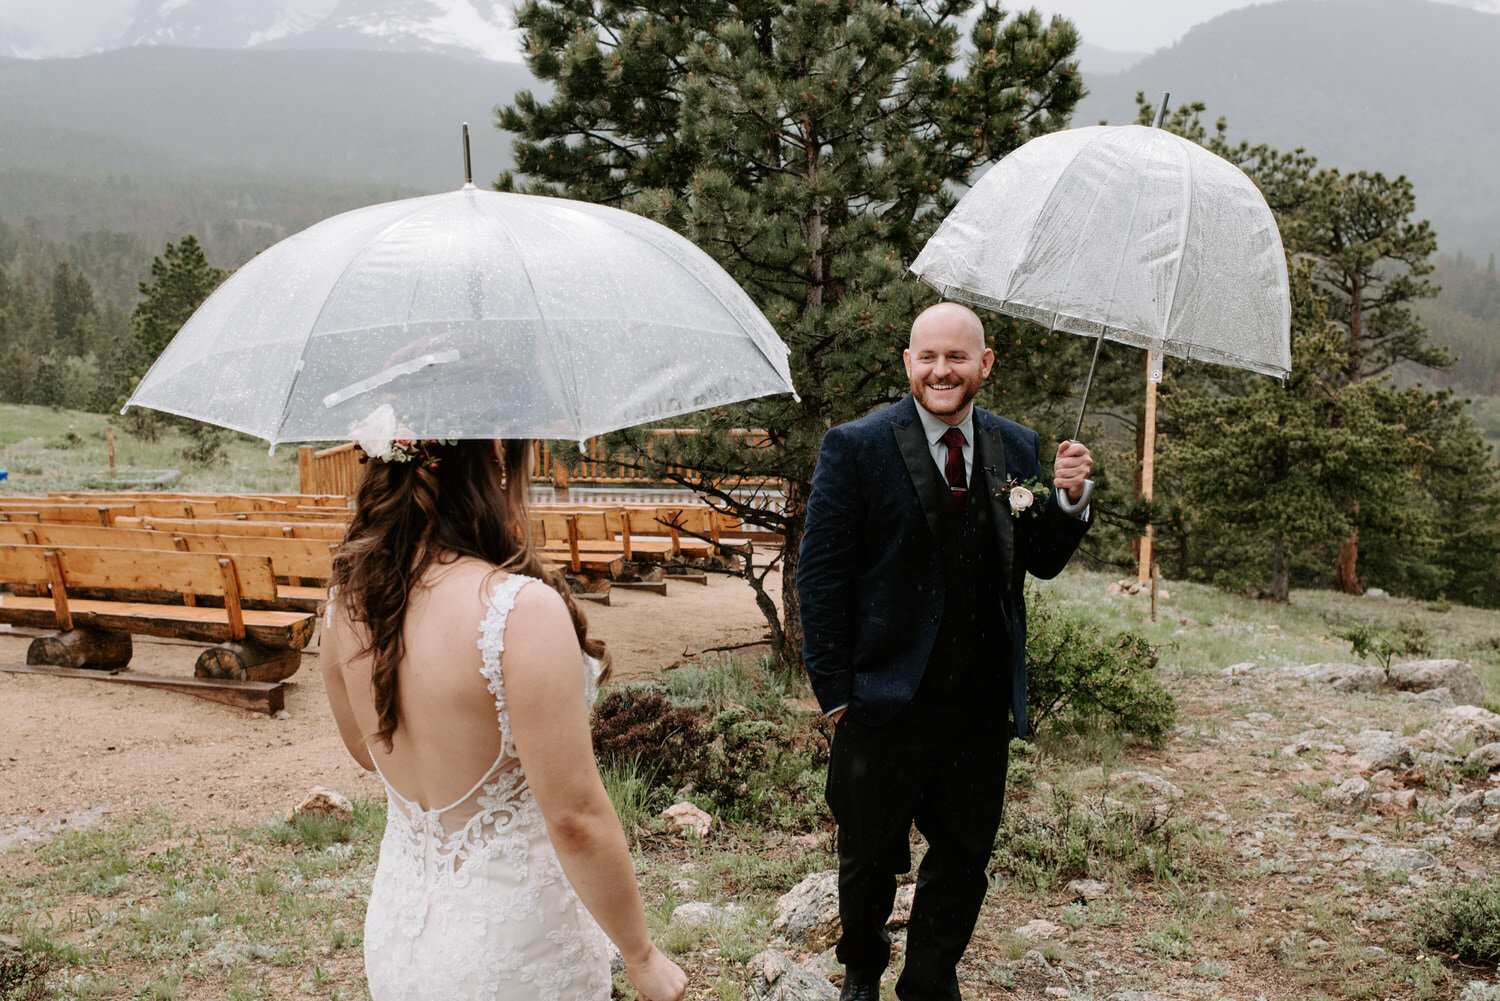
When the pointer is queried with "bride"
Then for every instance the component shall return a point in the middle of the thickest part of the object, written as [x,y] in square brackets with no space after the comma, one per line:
[460,670]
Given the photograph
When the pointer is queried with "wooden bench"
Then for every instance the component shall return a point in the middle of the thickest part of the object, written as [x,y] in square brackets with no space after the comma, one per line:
[32,509]
[323,530]
[302,566]
[250,645]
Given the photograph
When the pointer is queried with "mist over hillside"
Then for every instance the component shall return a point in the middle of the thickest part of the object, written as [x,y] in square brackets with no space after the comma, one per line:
[241,148]
[1399,86]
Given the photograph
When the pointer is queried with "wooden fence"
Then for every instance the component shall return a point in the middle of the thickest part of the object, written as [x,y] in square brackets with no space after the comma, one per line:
[338,469]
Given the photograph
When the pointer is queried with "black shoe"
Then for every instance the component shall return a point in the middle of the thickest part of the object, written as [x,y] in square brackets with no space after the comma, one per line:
[860,990]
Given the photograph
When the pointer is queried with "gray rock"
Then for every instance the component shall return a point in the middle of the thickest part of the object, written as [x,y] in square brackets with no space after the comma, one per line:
[1087,889]
[901,912]
[1467,723]
[1467,805]
[1376,592]
[1377,749]
[1038,929]
[1139,996]
[1389,860]
[1343,677]
[1350,794]
[808,914]
[775,977]
[1492,799]
[1155,783]
[1455,675]
[701,913]
[1488,755]
[1437,698]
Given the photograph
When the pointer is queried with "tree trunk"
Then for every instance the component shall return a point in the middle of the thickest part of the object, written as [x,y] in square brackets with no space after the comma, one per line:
[1281,571]
[1346,572]
[790,656]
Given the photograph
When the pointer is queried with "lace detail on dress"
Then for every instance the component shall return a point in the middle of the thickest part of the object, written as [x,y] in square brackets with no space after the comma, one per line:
[469,899]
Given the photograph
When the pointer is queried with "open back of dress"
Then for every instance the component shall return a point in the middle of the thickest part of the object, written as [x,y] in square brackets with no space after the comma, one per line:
[469,901]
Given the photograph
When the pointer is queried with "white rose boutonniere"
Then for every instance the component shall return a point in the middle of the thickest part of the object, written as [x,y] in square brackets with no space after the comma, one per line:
[1022,496]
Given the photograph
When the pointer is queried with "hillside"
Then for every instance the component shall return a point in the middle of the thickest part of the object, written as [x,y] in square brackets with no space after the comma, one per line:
[1400,86]
[241,148]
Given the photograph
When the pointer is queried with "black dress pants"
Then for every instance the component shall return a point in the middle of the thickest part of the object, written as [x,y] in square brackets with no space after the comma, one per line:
[941,765]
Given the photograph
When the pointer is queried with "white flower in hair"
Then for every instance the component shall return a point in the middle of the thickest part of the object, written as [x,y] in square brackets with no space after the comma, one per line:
[376,435]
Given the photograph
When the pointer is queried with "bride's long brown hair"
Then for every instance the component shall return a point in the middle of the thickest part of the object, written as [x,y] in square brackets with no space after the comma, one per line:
[410,516]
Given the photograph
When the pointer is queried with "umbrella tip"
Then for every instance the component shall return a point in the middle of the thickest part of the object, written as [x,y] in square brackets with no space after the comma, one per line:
[468,166]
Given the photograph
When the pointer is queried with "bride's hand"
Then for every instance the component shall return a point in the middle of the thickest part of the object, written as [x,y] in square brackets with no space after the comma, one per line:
[657,978]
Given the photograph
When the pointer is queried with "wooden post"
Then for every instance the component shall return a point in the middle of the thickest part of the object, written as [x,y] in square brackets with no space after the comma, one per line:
[574,560]
[1148,469]
[307,473]
[232,598]
[109,441]
[625,534]
[59,590]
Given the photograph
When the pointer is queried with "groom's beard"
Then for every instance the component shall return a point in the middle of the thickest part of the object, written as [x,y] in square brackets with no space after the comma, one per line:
[967,390]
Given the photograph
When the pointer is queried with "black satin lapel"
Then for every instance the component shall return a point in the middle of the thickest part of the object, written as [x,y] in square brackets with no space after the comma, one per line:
[923,471]
[991,456]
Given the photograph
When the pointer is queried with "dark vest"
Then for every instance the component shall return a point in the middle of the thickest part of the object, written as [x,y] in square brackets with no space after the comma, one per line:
[971,654]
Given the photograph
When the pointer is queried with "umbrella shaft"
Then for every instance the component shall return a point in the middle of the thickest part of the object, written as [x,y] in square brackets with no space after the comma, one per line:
[1088,383]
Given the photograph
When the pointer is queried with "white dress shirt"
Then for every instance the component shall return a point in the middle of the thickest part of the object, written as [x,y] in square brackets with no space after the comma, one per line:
[934,427]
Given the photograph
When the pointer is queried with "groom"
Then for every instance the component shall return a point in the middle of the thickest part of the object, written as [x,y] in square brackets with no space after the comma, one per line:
[918,540]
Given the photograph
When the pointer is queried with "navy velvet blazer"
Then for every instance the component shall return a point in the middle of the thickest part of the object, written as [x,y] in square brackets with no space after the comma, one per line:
[870,574]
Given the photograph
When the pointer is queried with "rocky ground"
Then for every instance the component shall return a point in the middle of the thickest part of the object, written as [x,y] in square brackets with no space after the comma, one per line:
[1317,811]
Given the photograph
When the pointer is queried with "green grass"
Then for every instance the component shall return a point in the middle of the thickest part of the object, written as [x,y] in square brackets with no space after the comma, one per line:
[185,912]
[45,449]
[1202,630]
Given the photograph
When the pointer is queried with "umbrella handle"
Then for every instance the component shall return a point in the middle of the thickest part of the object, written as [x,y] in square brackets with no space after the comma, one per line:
[1080,505]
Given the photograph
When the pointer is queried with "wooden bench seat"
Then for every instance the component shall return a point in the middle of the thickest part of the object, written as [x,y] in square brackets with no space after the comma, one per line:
[302,566]
[251,645]
[328,531]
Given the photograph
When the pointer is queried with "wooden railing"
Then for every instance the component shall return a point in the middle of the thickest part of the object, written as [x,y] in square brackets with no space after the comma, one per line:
[338,469]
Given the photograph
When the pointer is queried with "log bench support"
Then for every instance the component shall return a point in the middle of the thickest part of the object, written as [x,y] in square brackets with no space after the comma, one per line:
[93,649]
[247,662]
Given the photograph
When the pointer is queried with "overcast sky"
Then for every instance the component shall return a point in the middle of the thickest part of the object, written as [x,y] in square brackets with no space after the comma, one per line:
[1142,26]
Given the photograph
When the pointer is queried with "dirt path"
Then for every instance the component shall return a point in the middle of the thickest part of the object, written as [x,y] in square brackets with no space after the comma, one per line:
[72,752]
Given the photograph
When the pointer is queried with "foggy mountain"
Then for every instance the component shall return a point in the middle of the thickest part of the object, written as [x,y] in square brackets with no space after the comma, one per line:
[1399,86]
[469,28]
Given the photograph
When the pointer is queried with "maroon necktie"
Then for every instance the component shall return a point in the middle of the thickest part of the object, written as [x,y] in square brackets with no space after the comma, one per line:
[954,468]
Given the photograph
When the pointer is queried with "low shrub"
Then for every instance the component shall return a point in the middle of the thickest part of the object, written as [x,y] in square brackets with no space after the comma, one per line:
[1464,922]
[765,764]
[23,976]
[1038,850]
[1081,679]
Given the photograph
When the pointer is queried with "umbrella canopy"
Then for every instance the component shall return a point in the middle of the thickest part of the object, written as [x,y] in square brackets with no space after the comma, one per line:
[1126,232]
[473,314]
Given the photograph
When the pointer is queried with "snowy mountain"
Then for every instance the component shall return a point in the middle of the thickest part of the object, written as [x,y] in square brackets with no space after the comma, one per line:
[470,28]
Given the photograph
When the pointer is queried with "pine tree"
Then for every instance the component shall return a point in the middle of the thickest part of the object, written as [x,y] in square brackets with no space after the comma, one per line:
[181,278]
[811,146]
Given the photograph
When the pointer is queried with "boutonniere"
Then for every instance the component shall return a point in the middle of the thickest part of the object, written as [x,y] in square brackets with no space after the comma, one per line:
[1022,496]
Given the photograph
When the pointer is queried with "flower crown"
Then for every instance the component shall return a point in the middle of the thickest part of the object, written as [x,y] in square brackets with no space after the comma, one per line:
[380,437]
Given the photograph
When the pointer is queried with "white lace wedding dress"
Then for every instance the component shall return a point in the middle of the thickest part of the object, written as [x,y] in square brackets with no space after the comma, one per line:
[469,901]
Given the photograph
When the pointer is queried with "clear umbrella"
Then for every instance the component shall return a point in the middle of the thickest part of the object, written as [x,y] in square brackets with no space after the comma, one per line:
[473,314]
[1128,233]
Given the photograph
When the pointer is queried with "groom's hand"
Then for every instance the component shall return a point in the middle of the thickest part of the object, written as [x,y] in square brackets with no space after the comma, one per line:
[1072,468]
